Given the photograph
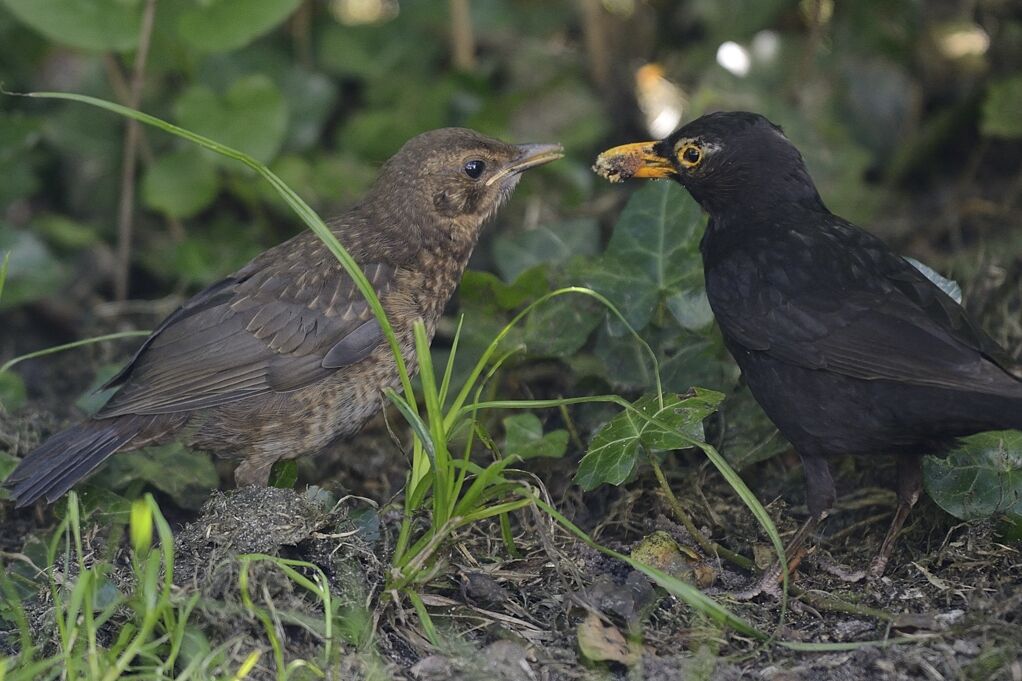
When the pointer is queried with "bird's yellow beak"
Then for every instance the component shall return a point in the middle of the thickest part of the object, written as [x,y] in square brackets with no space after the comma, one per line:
[638,159]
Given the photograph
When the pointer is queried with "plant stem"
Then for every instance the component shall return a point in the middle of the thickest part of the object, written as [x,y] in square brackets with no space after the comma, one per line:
[708,546]
[463,43]
[126,210]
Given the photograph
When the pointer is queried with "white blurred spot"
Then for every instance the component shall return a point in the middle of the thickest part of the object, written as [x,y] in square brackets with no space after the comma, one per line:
[662,102]
[962,41]
[664,123]
[622,8]
[766,45]
[734,58]
[357,12]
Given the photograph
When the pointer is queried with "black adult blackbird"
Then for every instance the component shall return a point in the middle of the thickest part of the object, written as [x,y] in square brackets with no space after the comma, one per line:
[284,356]
[848,348]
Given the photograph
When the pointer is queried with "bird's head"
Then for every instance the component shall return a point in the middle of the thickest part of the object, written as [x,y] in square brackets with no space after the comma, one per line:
[456,176]
[728,161]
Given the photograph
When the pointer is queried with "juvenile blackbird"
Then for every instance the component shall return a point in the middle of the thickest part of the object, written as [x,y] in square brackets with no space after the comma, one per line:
[848,348]
[285,355]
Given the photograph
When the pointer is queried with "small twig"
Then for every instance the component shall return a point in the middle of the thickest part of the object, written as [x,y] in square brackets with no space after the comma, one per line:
[463,42]
[708,546]
[595,33]
[126,212]
[805,66]
[828,602]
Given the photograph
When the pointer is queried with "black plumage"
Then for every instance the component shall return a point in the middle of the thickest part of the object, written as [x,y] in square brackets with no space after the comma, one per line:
[848,348]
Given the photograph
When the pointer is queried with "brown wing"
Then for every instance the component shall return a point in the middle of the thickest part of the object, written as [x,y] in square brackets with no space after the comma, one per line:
[286,320]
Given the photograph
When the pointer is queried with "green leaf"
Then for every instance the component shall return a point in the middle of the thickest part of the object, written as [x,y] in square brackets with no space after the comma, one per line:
[487,291]
[102,25]
[180,183]
[63,232]
[95,396]
[12,391]
[523,436]
[224,25]
[981,477]
[653,254]
[547,244]
[614,451]
[1001,109]
[561,326]
[184,475]
[250,117]
[33,272]
[284,474]
[8,463]
[749,435]
[691,309]
[310,98]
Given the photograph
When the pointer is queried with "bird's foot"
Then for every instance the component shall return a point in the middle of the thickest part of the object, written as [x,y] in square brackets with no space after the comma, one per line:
[771,581]
[877,567]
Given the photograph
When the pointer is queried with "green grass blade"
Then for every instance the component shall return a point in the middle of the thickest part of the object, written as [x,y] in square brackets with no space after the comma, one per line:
[70,346]
[3,272]
[695,598]
[480,366]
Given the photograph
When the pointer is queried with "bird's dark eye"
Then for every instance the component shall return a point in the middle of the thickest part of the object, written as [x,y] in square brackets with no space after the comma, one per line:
[691,155]
[474,169]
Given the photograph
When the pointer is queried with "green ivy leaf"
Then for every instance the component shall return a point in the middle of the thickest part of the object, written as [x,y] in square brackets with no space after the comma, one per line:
[614,451]
[310,98]
[8,463]
[524,436]
[981,477]
[101,25]
[184,475]
[180,183]
[33,272]
[284,474]
[653,254]
[224,25]
[560,326]
[251,116]
[486,290]
[1001,109]
[12,391]
[547,244]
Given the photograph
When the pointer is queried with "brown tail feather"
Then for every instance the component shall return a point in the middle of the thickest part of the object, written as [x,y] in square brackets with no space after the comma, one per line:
[55,466]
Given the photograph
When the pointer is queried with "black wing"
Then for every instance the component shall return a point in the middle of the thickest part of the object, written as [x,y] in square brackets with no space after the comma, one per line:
[286,320]
[839,300]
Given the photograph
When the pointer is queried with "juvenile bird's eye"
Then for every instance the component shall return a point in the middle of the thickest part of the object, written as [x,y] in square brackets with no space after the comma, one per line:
[691,155]
[474,169]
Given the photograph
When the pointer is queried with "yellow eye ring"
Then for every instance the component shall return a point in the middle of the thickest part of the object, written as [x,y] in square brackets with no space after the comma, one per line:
[690,155]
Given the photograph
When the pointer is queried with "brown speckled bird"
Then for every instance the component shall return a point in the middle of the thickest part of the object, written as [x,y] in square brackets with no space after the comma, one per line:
[284,356]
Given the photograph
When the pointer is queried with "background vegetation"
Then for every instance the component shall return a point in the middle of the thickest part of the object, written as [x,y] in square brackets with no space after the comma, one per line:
[907,112]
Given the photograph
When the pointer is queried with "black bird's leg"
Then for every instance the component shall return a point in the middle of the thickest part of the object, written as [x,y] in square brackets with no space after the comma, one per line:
[820,499]
[910,484]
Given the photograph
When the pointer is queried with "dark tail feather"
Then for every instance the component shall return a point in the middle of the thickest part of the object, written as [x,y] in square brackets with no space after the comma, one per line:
[55,466]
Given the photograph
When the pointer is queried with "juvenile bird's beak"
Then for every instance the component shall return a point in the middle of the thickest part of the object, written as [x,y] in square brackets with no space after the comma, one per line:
[529,156]
[639,159]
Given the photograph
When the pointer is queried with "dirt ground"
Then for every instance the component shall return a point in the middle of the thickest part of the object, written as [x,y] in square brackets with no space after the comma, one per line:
[950,604]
